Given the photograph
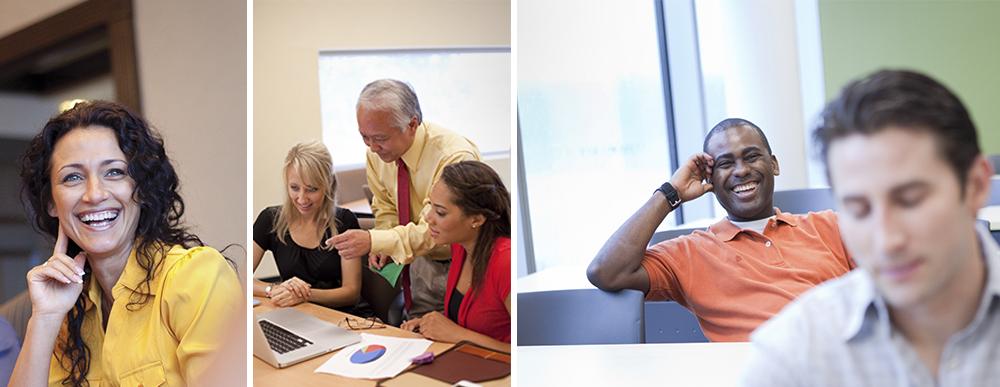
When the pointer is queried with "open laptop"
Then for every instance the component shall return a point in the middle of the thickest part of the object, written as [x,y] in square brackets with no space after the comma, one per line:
[287,336]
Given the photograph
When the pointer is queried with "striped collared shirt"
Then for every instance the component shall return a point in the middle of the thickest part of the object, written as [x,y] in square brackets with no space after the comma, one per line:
[839,334]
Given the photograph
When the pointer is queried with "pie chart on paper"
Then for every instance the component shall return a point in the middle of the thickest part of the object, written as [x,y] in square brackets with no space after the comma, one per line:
[367,354]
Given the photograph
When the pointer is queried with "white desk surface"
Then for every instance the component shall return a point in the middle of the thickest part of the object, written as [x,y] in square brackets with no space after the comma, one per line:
[689,364]
[992,215]
[555,278]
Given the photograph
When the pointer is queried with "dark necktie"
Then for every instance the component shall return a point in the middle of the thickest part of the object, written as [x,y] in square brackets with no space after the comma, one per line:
[403,211]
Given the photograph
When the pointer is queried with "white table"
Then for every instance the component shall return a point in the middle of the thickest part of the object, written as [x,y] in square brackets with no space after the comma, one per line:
[992,215]
[555,278]
[692,364]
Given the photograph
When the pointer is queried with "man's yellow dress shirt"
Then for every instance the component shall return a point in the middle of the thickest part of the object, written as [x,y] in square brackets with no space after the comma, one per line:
[433,149]
[171,338]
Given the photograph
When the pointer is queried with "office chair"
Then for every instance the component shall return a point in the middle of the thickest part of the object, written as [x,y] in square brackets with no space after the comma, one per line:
[995,160]
[985,223]
[801,201]
[668,321]
[994,200]
[16,311]
[579,316]
[10,346]
[994,192]
[381,296]
[661,236]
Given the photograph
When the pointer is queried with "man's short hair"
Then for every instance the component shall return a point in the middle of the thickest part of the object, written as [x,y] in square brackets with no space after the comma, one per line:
[394,96]
[732,123]
[904,99]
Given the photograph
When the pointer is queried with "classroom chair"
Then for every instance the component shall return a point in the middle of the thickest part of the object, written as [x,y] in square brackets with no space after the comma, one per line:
[10,346]
[995,160]
[381,297]
[661,236]
[579,316]
[669,322]
[994,192]
[801,201]
[16,311]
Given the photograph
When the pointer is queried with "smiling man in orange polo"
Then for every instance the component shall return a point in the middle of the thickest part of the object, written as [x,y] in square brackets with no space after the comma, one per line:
[743,269]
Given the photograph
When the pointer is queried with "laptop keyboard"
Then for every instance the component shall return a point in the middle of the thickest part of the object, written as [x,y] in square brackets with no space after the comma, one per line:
[281,340]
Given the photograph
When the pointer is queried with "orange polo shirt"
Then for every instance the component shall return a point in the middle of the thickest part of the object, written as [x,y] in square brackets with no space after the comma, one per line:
[733,280]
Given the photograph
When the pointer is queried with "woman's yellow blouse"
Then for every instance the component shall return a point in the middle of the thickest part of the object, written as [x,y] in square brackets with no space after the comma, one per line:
[172,338]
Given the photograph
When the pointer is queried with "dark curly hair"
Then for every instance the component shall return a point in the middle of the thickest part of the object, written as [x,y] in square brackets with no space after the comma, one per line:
[156,192]
[478,190]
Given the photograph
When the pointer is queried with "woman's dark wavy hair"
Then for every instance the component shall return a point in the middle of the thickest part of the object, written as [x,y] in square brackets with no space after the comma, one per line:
[156,192]
[478,190]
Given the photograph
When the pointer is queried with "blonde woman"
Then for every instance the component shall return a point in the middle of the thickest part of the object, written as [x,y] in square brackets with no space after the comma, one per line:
[295,230]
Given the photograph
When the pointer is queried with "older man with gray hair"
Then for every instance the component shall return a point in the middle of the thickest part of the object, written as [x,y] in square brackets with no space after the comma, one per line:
[405,157]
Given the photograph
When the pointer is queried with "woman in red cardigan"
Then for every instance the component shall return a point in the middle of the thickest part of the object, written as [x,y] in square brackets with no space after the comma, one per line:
[471,211]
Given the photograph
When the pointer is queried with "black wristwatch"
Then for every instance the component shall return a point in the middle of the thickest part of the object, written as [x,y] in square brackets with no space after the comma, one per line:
[669,192]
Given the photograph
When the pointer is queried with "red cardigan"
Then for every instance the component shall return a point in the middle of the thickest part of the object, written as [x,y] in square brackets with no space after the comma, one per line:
[483,310]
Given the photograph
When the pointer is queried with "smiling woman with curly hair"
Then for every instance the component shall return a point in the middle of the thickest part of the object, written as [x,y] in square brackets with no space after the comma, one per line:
[129,296]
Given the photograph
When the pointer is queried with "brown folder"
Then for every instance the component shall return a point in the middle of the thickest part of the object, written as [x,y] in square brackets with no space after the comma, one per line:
[464,361]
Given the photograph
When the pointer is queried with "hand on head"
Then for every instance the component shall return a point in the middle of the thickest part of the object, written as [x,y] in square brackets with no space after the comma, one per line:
[55,285]
[694,177]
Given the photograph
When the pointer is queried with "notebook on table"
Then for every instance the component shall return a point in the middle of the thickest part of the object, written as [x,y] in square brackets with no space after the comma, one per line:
[464,361]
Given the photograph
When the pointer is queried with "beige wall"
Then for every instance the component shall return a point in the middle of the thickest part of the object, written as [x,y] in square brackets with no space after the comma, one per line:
[288,36]
[17,14]
[192,74]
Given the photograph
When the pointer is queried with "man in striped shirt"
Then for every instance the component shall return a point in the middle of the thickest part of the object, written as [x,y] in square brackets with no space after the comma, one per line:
[904,162]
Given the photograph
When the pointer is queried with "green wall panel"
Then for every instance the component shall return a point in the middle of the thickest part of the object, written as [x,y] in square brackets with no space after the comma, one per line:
[954,41]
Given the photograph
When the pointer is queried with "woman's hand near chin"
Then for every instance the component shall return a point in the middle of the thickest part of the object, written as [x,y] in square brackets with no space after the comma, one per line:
[55,285]
[53,288]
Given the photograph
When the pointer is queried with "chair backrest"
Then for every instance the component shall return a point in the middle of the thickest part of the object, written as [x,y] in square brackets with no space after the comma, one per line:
[801,201]
[661,236]
[579,316]
[17,311]
[9,348]
[986,224]
[350,183]
[995,160]
[380,296]
[994,192]
[669,322]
